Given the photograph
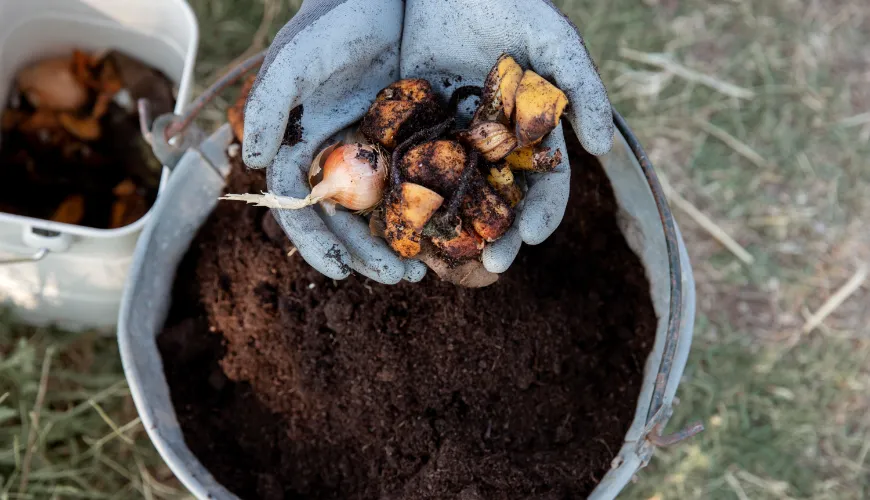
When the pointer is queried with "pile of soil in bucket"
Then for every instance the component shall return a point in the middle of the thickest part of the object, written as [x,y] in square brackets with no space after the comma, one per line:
[288,384]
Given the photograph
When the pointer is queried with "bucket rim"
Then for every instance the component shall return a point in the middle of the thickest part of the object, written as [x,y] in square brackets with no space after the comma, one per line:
[656,417]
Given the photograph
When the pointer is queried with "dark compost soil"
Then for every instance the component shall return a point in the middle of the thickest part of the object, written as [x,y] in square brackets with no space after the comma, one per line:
[291,385]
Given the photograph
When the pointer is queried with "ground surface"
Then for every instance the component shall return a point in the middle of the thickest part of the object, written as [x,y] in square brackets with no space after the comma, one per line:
[770,145]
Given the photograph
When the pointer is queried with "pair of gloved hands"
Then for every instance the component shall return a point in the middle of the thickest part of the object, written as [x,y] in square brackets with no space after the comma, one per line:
[335,55]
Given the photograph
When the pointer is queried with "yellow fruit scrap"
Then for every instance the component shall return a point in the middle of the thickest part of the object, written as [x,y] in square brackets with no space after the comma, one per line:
[502,179]
[408,211]
[539,106]
[534,159]
[499,91]
[383,120]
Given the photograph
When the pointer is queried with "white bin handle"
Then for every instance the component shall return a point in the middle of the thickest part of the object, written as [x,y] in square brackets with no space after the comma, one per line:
[43,240]
[48,239]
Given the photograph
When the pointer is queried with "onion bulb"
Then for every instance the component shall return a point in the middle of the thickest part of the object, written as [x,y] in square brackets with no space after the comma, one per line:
[51,84]
[353,176]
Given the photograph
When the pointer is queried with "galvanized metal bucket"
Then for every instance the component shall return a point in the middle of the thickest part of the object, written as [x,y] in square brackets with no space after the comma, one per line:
[191,195]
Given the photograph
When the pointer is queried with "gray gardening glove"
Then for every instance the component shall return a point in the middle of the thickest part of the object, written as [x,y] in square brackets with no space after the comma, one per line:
[331,58]
[453,43]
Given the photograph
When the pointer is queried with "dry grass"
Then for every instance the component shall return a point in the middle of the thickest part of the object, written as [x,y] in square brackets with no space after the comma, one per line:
[758,112]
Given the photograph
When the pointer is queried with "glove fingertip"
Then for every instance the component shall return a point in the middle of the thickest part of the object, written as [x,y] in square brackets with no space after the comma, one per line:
[333,264]
[537,225]
[266,113]
[595,132]
[386,272]
[257,150]
[499,256]
[415,271]
[591,114]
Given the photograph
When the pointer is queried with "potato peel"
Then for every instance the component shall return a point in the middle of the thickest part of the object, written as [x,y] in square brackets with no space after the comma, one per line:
[404,106]
[489,214]
[435,164]
[469,274]
[409,89]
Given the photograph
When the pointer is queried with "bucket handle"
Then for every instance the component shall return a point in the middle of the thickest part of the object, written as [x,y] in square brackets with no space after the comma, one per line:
[658,414]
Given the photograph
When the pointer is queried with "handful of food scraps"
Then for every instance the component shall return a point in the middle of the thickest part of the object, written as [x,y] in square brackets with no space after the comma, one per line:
[436,193]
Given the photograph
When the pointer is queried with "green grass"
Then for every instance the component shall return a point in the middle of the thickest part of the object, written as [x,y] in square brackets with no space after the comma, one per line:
[786,411]
[64,398]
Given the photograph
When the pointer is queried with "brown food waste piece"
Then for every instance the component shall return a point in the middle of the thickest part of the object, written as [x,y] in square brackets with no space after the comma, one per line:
[287,384]
[409,89]
[236,112]
[119,210]
[124,188]
[127,210]
[110,81]
[11,118]
[399,110]
[467,245]
[129,206]
[42,119]
[86,129]
[489,214]
[83,65]
[435,164]
[101,106]
[142,81]
[71,210]
[470,274]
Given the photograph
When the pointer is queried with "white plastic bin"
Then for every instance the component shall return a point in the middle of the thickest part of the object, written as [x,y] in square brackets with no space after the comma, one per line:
[78,280]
